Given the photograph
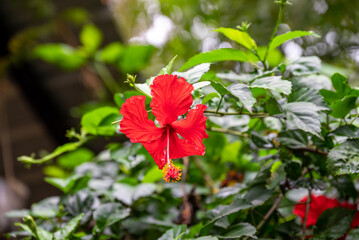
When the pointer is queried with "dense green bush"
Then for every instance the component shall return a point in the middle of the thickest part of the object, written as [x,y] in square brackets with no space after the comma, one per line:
[278,131]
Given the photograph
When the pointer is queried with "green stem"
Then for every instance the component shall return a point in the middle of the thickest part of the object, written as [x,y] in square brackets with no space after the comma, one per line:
[309,200]
[279,20]
[107,77]
[60,150]
[219,104]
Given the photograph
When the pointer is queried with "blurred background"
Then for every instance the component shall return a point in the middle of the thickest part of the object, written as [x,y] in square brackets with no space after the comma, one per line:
[57,63]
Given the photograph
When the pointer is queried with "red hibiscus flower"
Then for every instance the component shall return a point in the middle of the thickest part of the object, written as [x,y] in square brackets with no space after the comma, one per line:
[318,205]
[172,139]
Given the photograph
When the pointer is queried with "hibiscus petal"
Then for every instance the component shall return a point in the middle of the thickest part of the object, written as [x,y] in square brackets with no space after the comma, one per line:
[193,127]
[157,149]
[171,98]
[135,123]
[180,148]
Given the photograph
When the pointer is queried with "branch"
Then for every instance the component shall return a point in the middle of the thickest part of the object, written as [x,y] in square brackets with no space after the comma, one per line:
[268,214]
[312,150]
[309,200]
[252,115]
[222,130]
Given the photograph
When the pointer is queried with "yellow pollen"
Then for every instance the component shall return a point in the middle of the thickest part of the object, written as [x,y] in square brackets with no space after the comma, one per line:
[171,172]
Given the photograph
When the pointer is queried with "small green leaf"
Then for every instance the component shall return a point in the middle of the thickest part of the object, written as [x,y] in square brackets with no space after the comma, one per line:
[152,175]
[304,94]
[240,37]
[135,58]
[220,88]
[66,231]
[239,230]
[75,158]
[70,184]
[168,68]
[194,74]
[209,97]
[61,55]
[341,108]
[223,54]
[118,97]
[344,159]
[174,233]
[274,83]
[244,94]
[91,37]
[112,53]
[350,131]
[280,39]
[304,116]
[98,121]
[108,214]
[223,211]
[333,223]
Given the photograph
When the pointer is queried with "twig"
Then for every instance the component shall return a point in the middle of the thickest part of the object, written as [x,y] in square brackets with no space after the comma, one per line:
[219,104]
[208,180]
[222,130]
[312,150]
[279,20]
[306,213]
[268,214]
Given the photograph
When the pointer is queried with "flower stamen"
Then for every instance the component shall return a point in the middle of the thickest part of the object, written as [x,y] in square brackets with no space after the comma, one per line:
[171,172]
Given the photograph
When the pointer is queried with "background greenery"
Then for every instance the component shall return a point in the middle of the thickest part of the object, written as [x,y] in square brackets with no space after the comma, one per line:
[277,130]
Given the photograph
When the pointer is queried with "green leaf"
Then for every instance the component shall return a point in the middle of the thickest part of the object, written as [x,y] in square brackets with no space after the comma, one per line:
[209,97]
[75,158]
[61,55]
[304,66]
[223,211]
[304,116]
[194,74]
[128,194]
[333,223]
[152,175]
[344,159]
[174,233]
[90,37]
[118,97]
[98,121]
[70,184]
[280,39]
[108,214]
[304,94]
[342,107]
[112,52]
[340,84]
[168,68]
[46,208]
[240,37]
[239,230]
[207,238]
[244,94]
[66,231]
[350,131]
[274,83]
[135,58]
[223,54]
[258,195]
[222,90]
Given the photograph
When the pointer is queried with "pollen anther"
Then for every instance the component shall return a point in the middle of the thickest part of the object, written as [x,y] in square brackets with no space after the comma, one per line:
[171,172]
